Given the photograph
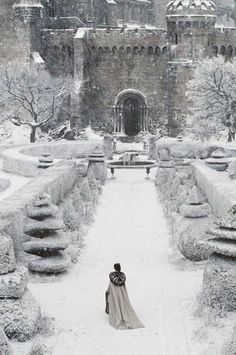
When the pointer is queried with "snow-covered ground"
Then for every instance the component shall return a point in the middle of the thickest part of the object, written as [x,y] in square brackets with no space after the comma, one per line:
[129,228]
[16,182]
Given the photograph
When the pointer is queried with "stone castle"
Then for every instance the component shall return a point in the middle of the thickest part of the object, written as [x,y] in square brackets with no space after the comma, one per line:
[130,59]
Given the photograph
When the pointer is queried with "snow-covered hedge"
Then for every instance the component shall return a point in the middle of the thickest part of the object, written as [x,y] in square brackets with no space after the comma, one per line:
[217,186]
[24,160]
[57,181]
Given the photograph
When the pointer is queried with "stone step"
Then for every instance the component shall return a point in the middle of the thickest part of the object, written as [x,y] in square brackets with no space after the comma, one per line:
[50,265]
[42,212]
[39,229]
[47,246]
[223,247]
[220,233]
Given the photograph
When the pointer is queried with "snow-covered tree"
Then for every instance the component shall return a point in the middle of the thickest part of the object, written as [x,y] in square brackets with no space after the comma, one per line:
[212,93]
[30,95]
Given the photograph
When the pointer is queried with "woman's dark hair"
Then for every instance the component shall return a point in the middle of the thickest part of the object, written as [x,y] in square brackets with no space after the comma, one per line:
[117,267]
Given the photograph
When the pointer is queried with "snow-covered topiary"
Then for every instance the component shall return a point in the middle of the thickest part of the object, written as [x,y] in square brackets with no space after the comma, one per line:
[93,186]
[44,226]
[20,317]
[71,217]
[229,347]
[7,256]
[5,348]
[85,192]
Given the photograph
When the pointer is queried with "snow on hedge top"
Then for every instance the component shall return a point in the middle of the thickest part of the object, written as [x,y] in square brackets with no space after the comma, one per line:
[191,7]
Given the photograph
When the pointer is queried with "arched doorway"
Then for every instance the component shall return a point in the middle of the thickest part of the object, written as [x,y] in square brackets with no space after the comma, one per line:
[130,113]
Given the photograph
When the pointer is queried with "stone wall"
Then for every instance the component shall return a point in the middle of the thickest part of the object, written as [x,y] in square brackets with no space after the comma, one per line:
[24,160]
[217,186]
[58,50]
[114,61]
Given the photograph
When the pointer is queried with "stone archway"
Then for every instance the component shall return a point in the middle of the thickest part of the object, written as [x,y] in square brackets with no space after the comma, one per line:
[130,112]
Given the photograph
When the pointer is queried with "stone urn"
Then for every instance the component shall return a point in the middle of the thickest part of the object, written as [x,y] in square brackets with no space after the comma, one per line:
[219,278]
[195,205]
[192,226]
[97,162]
[217,161]
[108,146]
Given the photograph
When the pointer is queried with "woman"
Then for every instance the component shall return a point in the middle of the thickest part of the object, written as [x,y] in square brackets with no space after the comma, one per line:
[118,306]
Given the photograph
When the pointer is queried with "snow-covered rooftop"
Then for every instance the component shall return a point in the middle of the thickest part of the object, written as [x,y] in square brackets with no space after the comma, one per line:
[191,7]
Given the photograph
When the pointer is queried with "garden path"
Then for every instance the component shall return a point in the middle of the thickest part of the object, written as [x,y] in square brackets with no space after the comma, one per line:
[129,228]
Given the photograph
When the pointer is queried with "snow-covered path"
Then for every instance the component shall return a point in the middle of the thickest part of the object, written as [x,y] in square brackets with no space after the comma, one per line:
[129,228]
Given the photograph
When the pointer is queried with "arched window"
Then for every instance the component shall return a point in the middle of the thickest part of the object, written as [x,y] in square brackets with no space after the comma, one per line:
[114,50]
[230,51]
[150,50]
[51,8]
[188,24]
[174,38]
[128,50]
[164,50]
[158,51]
[135,50]
[222,50]
[215,50]
[142,50]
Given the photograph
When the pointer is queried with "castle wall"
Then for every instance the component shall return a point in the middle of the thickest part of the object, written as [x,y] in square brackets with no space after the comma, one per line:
[115,61]
[58,50]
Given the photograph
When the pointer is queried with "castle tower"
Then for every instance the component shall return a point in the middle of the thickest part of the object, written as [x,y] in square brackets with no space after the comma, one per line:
[189,24]
[30,13]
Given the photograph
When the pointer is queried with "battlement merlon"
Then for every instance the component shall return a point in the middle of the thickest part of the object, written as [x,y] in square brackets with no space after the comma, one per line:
[118,37]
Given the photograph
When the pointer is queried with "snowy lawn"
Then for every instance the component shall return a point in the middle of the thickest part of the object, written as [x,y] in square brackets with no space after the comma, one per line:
[129,228]
[16,182]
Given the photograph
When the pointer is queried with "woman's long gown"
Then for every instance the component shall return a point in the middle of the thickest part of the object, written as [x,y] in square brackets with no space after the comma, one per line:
[121,313]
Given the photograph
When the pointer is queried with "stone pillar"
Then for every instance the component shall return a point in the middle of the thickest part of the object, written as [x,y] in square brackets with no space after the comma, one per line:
[108,146]
[97,163]
[152,147]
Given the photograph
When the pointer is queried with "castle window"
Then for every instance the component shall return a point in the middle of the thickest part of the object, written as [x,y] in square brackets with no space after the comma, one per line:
[195,24]
[215,50]
[150,50]
[222,50]
[202,24]
[164,50]
[188,24]
[51,8]
[158,51]
[230,51]
[174,38]
[181,24]
[142,50]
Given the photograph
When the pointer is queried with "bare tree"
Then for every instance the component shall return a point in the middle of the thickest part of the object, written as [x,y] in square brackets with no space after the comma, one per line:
[30,95]
[212,93]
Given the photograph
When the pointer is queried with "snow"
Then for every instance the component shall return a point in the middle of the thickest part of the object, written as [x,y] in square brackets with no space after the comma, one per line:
[16,183]
[125,231]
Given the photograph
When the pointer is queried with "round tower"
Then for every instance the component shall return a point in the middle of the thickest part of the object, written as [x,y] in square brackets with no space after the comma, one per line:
[30,13]
[189,24]
[28,10]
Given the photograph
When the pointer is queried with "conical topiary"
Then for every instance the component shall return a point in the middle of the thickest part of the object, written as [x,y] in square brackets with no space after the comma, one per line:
[195,205]
[86,197]
[71,217]
[85,192]
[93,186]
[46,241]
